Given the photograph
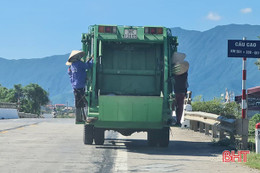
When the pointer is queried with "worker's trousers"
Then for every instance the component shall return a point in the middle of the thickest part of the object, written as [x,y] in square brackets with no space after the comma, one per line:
[81,105]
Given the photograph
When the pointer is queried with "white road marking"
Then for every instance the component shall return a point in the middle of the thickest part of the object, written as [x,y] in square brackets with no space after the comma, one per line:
[121,158]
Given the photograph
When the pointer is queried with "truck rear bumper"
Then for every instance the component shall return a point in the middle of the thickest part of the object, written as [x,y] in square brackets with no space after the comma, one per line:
[142,126]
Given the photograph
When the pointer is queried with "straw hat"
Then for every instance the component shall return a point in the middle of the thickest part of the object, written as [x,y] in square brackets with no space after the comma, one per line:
[178,57]
[183,67]
[74,56]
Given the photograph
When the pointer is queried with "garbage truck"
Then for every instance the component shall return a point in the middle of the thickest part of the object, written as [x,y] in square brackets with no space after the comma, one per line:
[129,88]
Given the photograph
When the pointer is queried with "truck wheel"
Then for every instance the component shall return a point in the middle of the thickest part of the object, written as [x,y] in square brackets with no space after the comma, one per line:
[152,137]
[88,134]
[164,137]
[99,136]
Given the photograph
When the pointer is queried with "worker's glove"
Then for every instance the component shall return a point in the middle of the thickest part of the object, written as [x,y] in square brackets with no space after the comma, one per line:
[176,68]
[89,59]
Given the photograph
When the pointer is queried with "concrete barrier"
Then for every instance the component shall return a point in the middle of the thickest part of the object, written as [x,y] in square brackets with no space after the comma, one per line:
[27,115]
[7,113]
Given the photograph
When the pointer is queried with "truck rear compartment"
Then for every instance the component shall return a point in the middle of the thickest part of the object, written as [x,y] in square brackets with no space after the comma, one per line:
[130,69]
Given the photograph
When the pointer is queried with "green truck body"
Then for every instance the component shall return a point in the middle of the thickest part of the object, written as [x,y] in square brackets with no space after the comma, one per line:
[129,87]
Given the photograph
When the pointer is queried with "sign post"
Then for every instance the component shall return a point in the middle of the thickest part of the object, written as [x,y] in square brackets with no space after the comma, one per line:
[244,102]
[257,138]
[244,49]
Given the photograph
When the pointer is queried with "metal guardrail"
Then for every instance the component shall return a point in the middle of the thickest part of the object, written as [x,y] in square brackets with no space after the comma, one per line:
[220,126]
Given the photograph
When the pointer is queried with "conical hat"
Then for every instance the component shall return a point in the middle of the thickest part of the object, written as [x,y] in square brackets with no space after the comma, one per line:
[178,57]
[184,66]
[75,55]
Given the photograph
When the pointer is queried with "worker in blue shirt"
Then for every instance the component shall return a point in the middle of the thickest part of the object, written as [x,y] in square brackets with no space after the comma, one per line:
[77,73]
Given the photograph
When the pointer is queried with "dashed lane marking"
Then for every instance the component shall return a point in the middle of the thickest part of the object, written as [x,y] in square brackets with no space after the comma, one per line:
[18,127]
[3,131]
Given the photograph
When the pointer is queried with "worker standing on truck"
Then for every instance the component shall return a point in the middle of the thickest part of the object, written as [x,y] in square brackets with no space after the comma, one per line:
[77,73]
[180,71]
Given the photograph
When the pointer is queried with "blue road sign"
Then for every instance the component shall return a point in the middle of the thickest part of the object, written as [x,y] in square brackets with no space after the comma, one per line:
[244,48]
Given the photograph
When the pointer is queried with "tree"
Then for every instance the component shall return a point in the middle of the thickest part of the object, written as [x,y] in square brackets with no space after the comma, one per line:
[34,97]
[215,106]
[3,93]
[14,95]
[252,122]
[29,98]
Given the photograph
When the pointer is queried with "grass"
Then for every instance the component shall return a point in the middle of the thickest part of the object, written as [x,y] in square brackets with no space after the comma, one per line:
[253,160]
[65,116]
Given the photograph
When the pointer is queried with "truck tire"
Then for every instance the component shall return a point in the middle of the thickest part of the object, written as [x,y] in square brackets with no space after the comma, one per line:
[164,137]
[99,136]
[88,134]
[152,137]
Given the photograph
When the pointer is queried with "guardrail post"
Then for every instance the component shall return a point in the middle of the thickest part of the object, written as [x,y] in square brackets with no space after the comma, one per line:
[192,124]
[206,129]
[201,127]
[195,126]
[221,135]
[214,131]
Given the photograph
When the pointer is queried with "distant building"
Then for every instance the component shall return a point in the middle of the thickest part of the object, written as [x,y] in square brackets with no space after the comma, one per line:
[61,106]
[51,107]
[69,108]
[253,101]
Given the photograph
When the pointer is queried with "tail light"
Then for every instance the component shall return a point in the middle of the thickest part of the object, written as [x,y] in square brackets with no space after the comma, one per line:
[101,29]
[153,30]
[107,29]
[159,31]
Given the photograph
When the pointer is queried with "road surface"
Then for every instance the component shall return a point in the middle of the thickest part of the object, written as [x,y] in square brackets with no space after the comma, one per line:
[56,145]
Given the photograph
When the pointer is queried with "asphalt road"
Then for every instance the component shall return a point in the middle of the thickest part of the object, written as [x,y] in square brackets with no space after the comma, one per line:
[56,145]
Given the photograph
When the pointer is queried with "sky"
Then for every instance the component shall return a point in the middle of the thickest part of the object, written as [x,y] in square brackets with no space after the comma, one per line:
[41,28]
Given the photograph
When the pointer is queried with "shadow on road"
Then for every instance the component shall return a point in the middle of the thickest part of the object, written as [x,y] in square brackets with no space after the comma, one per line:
[188,148]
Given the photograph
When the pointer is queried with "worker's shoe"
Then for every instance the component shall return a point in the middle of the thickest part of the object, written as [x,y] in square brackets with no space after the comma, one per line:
[171,121]
[91,119]
[177,124]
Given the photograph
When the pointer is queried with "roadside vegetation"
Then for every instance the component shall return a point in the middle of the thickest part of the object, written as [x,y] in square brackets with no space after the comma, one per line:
[65,115]
[216,106]
[253,160]
[29,98]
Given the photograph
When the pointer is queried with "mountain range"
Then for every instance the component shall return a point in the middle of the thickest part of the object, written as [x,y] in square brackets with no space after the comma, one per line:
[210,73]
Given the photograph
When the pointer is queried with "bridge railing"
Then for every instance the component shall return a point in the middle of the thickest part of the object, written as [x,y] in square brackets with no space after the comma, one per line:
[219,126]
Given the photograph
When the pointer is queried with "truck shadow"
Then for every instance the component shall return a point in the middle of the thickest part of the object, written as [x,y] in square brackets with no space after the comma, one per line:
[188,148]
